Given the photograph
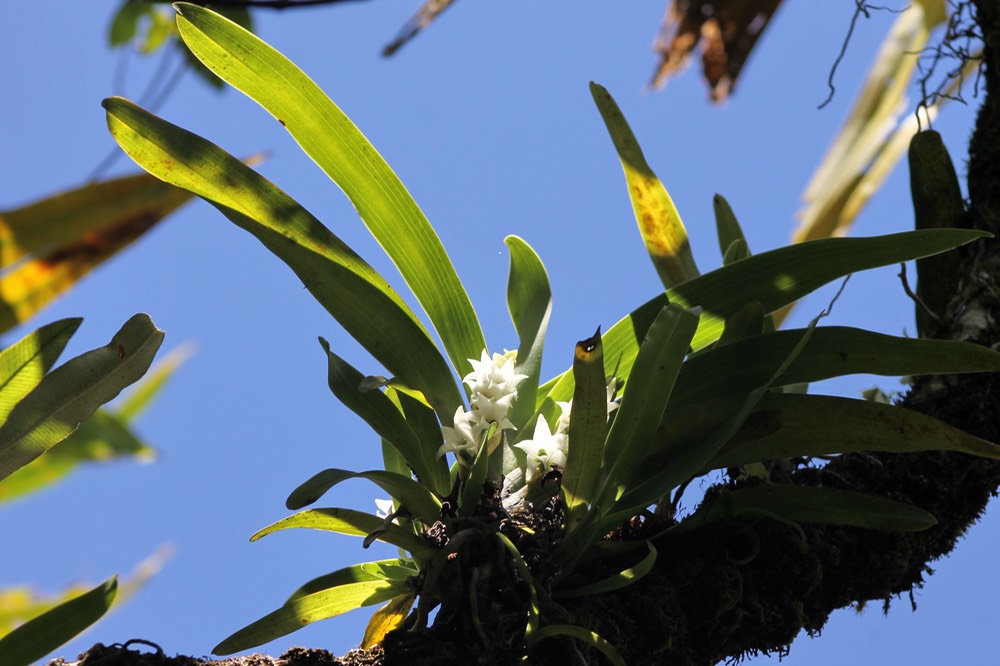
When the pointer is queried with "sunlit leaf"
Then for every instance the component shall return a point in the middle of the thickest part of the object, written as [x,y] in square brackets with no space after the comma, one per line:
[351,523]
[350,289]
[646,395]
[338,147]
[529,299]
[101,438]
[23,364]
[394,569]
[378,411]
[659,222]
[832,351]
[308,609]
[773,278]
[416,498]
[46,246]
[387,618]
[71,393]
[37,637]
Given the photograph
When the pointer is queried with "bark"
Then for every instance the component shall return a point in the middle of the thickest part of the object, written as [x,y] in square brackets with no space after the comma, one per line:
[731,591]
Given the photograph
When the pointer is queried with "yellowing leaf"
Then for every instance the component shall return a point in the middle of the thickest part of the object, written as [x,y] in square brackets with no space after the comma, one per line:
[386,619]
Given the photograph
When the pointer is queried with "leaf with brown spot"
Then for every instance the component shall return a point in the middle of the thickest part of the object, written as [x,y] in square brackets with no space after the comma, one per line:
[726,30]
[46,246]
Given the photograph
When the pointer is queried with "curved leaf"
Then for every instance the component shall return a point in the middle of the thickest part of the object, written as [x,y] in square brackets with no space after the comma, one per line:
[23,364]
[386,418]
[585,636]
[48,245]
[37,637]
[659,222]
[615,582]
[806,504]
[329,137]
[393,569]
[410,494]
[351,523]
[773,278]
[71,393]
[832,351]
[308,609]
[387,618]
[529,299]
[349,289]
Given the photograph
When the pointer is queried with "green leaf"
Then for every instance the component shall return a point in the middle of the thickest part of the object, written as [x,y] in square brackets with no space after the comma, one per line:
[773,278]
[659,222]
[534,609]
[351,523]
[529,299]
[787,424]
[308,609]
[587,431]
[47,246]
[37,637]
[615,582]
[341,150]
[833,351]
[802,504]
[727,227]
[140,396]
[380,412]
[125,22]
[677,460]
[23,364]
[650,384]
[417,499]
[585,636]
[393,569]
[349,289]
[71,393]
[472,487]
[101,438]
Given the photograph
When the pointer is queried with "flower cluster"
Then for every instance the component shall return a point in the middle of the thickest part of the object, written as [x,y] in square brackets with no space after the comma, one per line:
[493,387]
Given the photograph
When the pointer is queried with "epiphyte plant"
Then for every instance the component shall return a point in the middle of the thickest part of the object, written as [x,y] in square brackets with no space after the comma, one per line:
[511,496]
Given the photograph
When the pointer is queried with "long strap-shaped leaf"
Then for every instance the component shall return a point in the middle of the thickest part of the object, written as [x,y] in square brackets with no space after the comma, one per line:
[342,151]
[394,569]
[382,414]
[71,393]
[786,424]
[773,278]
[413,496]
[832,351]
[659,222]
[829,506]
[343,283]
[23,364]
[351,523]
[529,299]
[311,608]
[37,637]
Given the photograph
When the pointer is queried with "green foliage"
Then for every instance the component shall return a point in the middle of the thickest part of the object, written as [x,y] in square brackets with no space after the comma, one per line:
[37,637]
[704,381]
[41,410]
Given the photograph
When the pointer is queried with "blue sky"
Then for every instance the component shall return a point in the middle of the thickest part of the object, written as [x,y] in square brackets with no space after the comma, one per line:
[488,121]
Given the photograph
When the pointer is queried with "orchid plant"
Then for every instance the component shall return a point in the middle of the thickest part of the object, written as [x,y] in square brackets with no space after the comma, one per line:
[510,492]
